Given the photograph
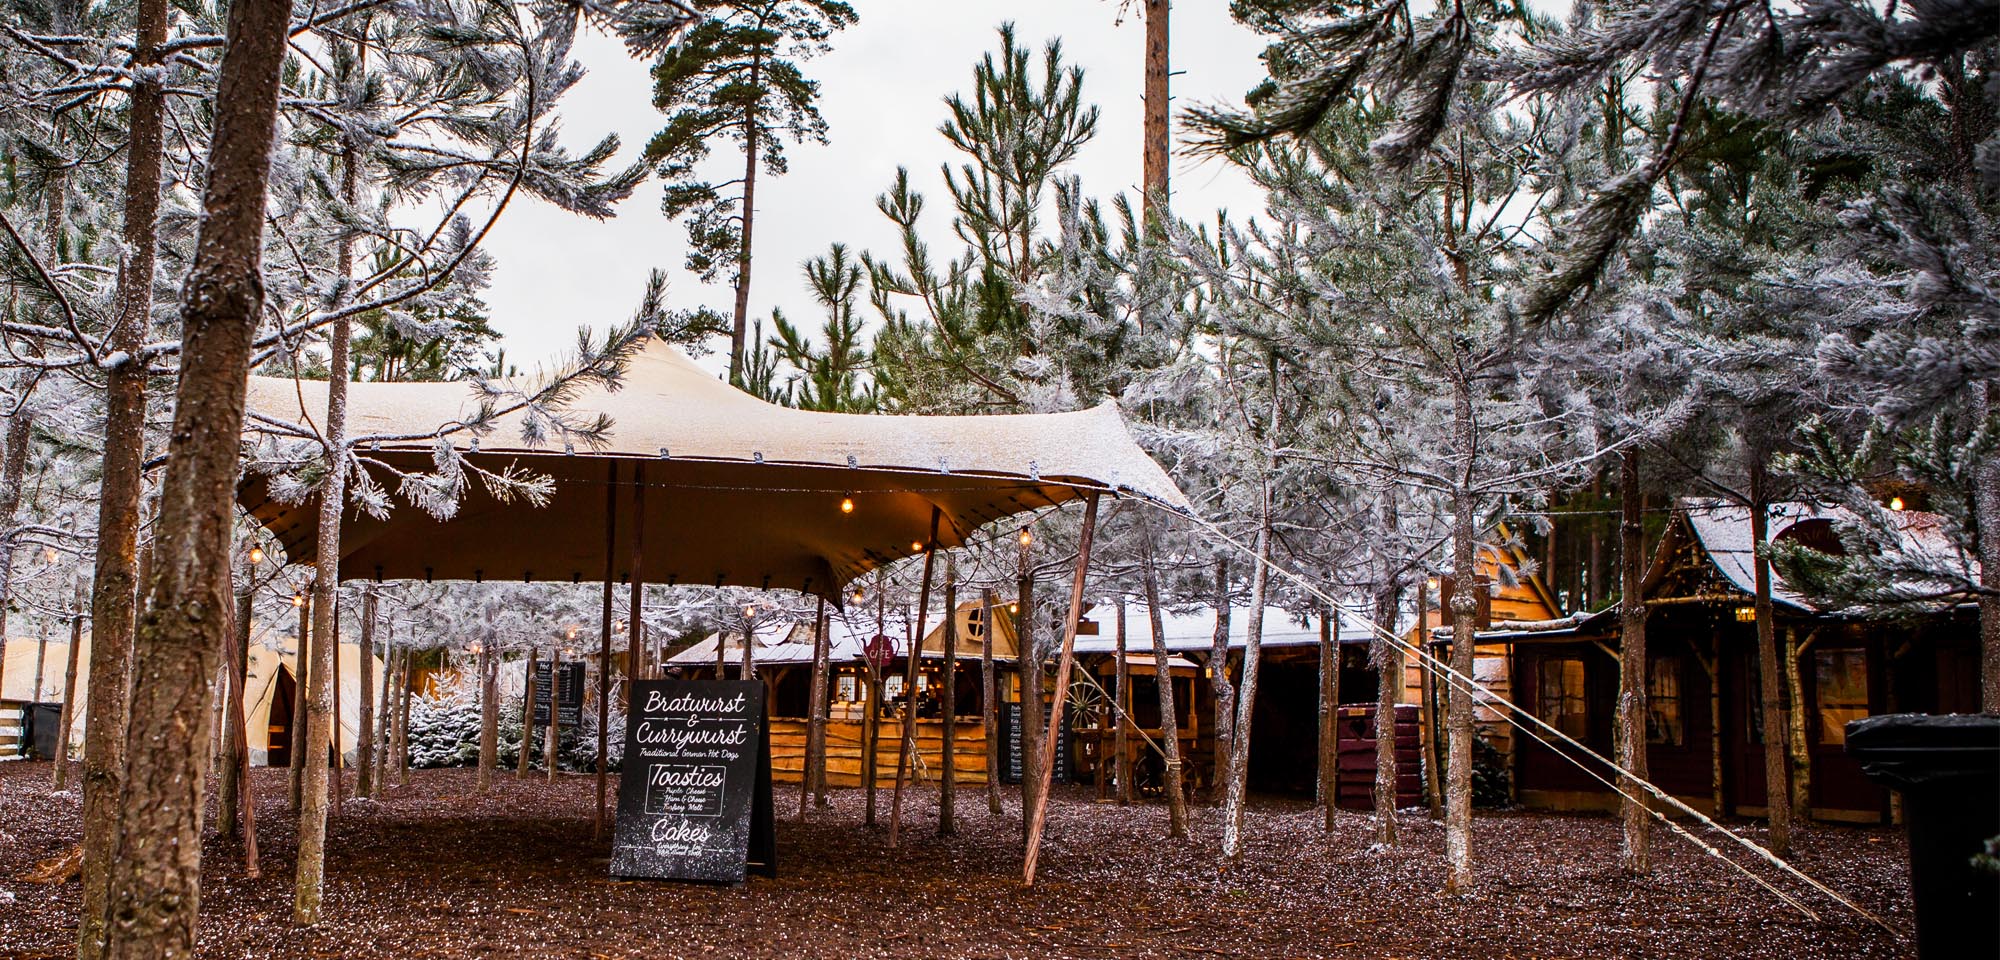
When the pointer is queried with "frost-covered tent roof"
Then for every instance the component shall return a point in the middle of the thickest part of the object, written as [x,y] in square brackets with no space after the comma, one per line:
[738,491]
[793,645]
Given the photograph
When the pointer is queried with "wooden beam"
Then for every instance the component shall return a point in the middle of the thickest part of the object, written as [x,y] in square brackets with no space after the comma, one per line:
[912,660]
[1063,667]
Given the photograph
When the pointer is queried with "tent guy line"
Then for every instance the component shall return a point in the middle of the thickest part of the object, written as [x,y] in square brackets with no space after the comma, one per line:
[1471,686]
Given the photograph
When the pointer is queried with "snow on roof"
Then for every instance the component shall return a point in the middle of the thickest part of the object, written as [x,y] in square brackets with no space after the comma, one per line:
[1195,630]
[1724,532]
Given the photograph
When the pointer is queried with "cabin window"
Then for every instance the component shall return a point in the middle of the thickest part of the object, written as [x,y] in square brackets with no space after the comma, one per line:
[1840,678]
[1663,702]
[850,689]
[1562,698]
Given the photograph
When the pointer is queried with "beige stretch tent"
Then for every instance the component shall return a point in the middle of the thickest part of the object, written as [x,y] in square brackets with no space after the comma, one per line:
[737,490]
[743,492]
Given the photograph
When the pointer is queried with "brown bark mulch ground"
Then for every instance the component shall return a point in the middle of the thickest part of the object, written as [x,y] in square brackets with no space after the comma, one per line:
[434,870]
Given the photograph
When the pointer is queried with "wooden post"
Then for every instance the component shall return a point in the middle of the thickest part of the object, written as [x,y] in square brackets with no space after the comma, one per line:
[989,710]
[813,774]
[235,666]
[604,647]
[871,725]
[635,632]
[914,658]
[1067,660]
[1427,686]
[1329,711]
[948,704]
[748,671]
[1121,705]
[364,727]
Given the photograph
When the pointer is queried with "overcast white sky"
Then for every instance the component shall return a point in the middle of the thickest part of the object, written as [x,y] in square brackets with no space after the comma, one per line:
[882,91]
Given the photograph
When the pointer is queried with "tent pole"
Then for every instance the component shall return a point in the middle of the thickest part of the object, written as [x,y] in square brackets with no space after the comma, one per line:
[1063,665]
[871,726]
[604,644]
[636,632]
[913,662]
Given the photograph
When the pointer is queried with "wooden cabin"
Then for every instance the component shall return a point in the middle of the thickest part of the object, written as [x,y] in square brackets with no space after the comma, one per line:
[1704,706]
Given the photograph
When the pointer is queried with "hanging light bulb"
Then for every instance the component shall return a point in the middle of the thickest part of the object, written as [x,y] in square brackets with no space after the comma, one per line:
[1026,537]
[1896,503]
[916,547]
[846,504]
[298,600]
[256,555]
[858,595]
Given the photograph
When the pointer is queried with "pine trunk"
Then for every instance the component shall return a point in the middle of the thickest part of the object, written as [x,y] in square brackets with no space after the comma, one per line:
[948,705]
[1986,501]
[1120,701]
[821,676]
[526,757]
[1388,663]
[1220,688]
[364,744]
[1246,697]
[155,892]
[1170,729]
[115,582]
[1632,666]
[1770,679]
[989,712]
[65,727]
[227,801]
[1798,760]
[741,326]
[301,682]
[1066,661]
[489,716]
[1464,607]
[1158,133]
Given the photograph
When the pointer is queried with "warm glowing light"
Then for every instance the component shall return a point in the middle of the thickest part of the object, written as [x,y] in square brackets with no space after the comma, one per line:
[858,596]
[1013,607]
[298,599]
[750,610]
[572,633]
[916,547]
[1027,538]
[847,505]
[256,554]
[1746,614]
[1895,503]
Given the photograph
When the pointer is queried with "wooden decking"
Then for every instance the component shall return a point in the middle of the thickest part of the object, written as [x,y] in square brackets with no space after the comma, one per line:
[844,752]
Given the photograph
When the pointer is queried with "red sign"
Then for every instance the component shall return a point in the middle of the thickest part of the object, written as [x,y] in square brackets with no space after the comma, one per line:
[879,651]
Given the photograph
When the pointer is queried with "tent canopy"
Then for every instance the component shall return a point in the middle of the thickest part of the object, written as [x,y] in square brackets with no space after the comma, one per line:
[735,490]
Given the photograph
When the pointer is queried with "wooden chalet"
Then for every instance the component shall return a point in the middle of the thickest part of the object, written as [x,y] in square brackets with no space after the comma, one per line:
[1703,722]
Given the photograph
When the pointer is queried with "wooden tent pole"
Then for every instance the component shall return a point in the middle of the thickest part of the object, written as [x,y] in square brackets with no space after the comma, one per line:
[528,714]
[1068,659]
[339,761]
[635,633]
[1329,715]
[913,658]
[604,646]
[551,740]
[989,711]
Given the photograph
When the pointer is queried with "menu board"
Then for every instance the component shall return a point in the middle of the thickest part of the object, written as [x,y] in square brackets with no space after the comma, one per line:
[569,698]
[694,795]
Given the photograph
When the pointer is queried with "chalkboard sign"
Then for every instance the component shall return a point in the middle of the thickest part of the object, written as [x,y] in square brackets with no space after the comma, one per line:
[569,705]
[694,797]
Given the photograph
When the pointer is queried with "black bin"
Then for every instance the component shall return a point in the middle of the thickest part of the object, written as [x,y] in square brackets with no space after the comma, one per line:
[1948,770]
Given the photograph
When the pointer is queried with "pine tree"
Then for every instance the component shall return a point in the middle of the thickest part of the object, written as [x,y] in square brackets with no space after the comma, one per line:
[736,76]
